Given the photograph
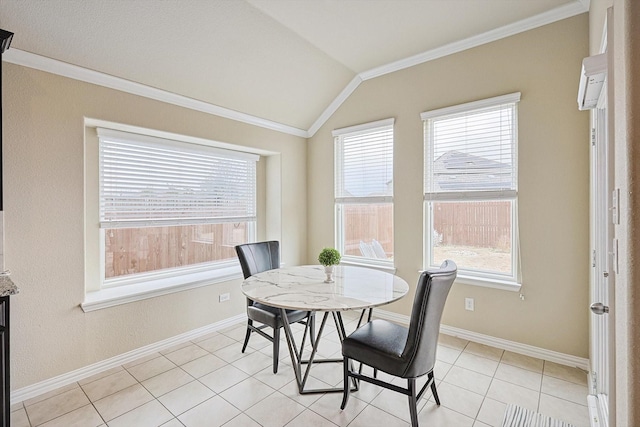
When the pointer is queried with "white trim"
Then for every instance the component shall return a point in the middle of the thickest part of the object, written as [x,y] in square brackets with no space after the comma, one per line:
[512,346]
[368,199]
[49,65]
[598,410]
[32,60]
[335,104]
[363,127]
[488,282]
[110,297]
[510,98]
[45,386]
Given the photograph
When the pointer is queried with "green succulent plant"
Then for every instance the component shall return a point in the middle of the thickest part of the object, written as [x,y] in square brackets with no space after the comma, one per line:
[329,256]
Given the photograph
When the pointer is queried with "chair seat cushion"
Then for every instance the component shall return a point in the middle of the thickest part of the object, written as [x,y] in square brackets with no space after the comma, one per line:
[271,315]
[378,344]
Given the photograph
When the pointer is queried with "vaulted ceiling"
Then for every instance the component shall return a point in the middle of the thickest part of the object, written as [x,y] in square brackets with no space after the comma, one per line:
[283,63]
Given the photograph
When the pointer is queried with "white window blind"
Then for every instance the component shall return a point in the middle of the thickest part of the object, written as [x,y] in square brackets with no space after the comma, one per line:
[364,163]
[471,150]
[147,181]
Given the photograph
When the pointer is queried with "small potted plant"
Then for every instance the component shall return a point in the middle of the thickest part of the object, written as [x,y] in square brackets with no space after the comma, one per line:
[329,257]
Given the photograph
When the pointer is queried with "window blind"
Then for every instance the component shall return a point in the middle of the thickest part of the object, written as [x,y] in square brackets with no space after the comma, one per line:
[364,163]
[147,181]
[471,150]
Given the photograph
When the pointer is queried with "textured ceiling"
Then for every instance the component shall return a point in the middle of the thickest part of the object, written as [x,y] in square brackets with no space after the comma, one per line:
[280,60]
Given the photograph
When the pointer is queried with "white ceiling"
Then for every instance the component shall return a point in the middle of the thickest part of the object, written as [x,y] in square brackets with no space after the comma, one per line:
[282,61]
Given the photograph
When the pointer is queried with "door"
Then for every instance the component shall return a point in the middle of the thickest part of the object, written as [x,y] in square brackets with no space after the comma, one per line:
[604,215]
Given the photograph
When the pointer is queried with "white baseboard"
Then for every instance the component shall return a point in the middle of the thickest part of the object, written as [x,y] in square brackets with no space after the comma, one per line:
[42,387]
[513,346]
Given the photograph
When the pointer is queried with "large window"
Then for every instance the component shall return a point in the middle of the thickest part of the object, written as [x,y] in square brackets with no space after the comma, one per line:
[364,193]
[471,189]
[170,209]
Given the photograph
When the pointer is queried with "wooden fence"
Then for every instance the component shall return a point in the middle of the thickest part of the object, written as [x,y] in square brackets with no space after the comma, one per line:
[479,224]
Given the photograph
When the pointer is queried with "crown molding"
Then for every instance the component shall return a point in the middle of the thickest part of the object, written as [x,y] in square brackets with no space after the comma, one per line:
[53,66]
[563,12]
[31,60]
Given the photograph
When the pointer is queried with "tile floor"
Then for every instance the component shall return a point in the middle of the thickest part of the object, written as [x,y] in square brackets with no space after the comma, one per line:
[209,382]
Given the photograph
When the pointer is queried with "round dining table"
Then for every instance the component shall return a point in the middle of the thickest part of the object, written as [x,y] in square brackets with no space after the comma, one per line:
[304,288]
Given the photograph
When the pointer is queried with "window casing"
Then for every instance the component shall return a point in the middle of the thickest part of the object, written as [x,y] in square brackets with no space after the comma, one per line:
[364,193]
[471,190]
[170,213]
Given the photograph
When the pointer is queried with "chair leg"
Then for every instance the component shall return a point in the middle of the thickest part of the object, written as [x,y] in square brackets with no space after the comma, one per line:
[276,349]
[433,388]
[246,337]
[312,327]
[345,383]
[413,401]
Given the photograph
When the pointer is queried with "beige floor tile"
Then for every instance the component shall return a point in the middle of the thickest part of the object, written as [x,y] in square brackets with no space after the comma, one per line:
[441,416]
[519,376]
[210,413]
[480,424]
[484,351]
[246,393]
[367,392]
[478,364]
[453,342]
[309,418]
[19,418]
[56,406]
[99,375]
[458,399]
[219,342]
[284,376]
[253,363]
[242,420]
[167,381]
[173,423]
[176,347]
[151,414]
[505,392]
[492,412]
[236,333]
[186,397]
[51,393]
[396,404]
[567,373]
[447,354]
[186,354]
[522,361]
[203,365]
[372,416]
[87,416]
[291,391]
[263,410]
[223,378]
[468,380]
[441,369]
[233,353]
[576,414]
[17,406]
[566,390]
[329,373]
[329,407]
[151,368]
[141,360]
[123,401]
[105,386]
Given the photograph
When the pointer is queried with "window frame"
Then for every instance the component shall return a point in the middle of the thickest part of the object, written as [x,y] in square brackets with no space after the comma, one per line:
[492,279]
[101,292]
[340,202]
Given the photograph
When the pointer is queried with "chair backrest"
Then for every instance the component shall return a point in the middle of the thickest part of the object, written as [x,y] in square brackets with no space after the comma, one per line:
[258,257]
[424,327]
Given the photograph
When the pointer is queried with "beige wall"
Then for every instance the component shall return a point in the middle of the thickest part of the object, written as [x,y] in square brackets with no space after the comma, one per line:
[43,200]
[544,65]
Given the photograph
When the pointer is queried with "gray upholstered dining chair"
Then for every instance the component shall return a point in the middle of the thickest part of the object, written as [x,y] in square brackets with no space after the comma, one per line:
[256,258]
[403,352]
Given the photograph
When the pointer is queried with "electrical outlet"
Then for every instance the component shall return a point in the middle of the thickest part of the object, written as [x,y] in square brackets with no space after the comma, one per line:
[469,304]
[224,297]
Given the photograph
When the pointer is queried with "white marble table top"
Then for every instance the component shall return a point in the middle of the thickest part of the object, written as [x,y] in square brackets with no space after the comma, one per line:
[303,288]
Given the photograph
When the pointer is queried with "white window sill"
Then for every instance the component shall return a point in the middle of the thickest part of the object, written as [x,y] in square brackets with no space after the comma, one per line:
[383,267]
[505,285]
[109,297]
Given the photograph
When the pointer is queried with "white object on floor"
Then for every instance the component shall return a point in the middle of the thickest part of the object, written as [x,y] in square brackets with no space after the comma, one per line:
[516,416]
